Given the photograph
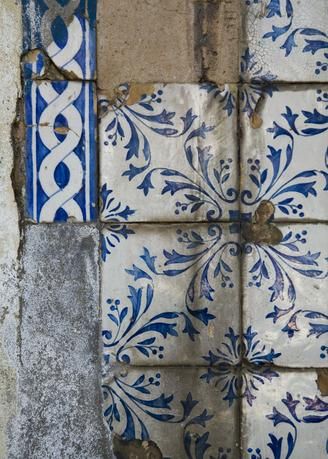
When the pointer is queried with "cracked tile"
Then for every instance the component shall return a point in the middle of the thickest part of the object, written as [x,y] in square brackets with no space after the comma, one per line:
[170,294]
[285,295]
[285,40]
[169,153]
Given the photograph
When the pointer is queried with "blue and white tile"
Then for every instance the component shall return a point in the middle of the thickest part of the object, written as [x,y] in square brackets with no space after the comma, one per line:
[63,32]
[289,421]
[60,151]
[169,153]
[172,407]
[169,294]
[285,295]
[284,159]
[289,39]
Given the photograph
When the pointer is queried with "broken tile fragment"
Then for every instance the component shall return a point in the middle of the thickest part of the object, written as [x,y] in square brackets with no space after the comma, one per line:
[65,36]
[60,151]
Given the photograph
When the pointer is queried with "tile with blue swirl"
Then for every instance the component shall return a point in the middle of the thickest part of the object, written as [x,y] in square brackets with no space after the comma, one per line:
[60,151]
[285,294]
[169,153]
[169,293]
[290,421]
[285,159]
[172,407]
[288,37]
[63,33]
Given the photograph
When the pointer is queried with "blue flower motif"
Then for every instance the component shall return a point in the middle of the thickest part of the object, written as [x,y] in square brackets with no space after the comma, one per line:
[270,183]
[237,380]
[128,406]
[288,36]
[208,182]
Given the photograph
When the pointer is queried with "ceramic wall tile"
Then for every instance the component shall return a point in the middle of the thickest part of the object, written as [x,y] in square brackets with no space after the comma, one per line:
[284,159]
[285,40]
[60,151]
[169,153]
[287,421]
[285,294]
[172,407]
[59,33]
[170,294]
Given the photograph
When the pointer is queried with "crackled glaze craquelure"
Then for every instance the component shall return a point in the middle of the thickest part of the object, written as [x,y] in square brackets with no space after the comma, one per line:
[289,39]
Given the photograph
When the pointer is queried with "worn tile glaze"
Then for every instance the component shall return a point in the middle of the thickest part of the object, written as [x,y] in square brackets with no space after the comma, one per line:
[289,420]
[285,294]
[170,294]
[284,158]
[287,40]
[169,153]
[173,407]
[60,151]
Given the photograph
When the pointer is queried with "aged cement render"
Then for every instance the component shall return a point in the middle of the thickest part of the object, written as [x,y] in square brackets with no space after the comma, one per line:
[59,392]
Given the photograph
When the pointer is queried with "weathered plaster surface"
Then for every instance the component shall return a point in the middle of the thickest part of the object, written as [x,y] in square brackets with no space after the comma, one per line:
[59,414]
[10,49]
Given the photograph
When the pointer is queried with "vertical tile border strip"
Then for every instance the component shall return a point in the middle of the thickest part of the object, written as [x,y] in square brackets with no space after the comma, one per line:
[61,150]
[60,110]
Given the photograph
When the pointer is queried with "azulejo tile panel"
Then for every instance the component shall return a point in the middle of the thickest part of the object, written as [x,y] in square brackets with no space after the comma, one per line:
[288,421]
[286,39]
[285,294]
[60,151]
[170,294]
[284,159]
[169,153]
[173,407]
[64,34]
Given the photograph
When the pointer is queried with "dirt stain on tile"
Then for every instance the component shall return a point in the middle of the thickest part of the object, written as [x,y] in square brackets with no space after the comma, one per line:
[322,381]
[135,449]
[261,230]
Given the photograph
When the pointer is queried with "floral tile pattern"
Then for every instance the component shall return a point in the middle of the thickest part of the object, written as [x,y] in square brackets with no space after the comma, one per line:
[285,294]
[146,402]
[287,421]
[60,151]
[288,38]
[169,153]
[63,35]
[285,159]
[169,293]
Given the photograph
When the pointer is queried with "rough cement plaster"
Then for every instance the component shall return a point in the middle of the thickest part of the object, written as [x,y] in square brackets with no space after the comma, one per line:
[59,414]
[10,49]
